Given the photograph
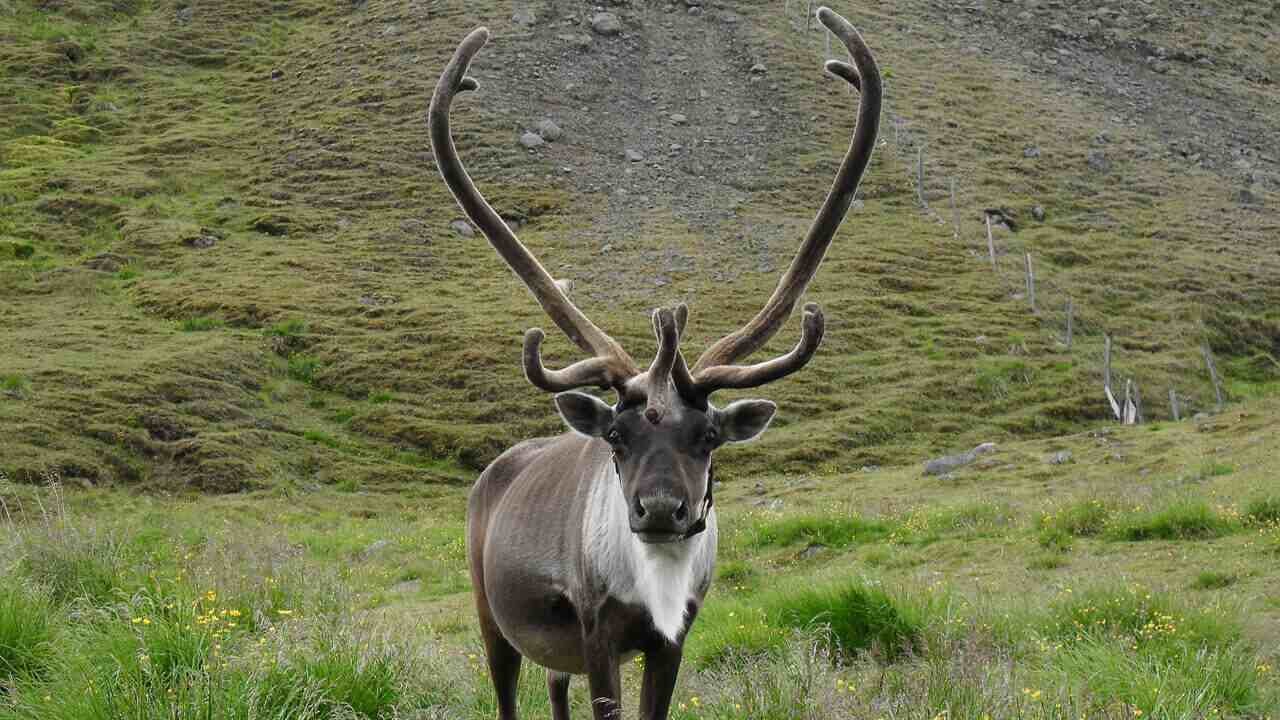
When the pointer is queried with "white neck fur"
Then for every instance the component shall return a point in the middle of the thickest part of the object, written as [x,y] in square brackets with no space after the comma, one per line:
[662,578]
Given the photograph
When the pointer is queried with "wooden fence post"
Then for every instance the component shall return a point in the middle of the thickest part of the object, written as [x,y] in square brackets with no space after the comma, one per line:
[1213,373]
[1031,284]
[991,245]
[955,211]
[1106,378]
[920,178]
[1071,315]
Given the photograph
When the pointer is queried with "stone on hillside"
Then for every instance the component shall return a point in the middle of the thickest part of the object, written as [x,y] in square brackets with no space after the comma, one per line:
[606,23]
[549,130]
[463,228]
[274,224]
[758,69]
[1062,457]
[679,119]
[524,17]
[1098,161]
[531,140]
[634,156]
[374,548]
[1037,212]
[949,463]
[577,40]
[1031,152]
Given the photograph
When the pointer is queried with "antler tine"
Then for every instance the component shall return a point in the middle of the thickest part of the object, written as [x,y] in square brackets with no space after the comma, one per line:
[611,365]
[719,377]
[864,75]
[658,378]
[590,372]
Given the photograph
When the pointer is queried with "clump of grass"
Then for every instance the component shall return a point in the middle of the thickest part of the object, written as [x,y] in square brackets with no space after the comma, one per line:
[15,386]
[303,368]
[1182,519]
[1138,616]
[1263,510]
[200,324]
[380,398]
[26,632]
[1184,682]
[1085,518]
[1214,580]
[861,616]
[831,531]
[291,328]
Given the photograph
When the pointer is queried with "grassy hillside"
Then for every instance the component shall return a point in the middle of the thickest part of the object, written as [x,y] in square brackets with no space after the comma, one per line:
[248,370]
[227,262]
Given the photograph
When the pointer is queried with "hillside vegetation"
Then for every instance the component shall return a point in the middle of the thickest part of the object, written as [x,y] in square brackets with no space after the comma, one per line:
[227,259]
[249,367]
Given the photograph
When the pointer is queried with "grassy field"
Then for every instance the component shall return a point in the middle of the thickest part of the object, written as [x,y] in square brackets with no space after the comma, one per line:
[247,371]
[1140,580]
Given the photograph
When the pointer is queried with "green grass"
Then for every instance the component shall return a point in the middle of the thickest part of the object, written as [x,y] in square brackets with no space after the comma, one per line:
[26,632]
[1263,510]
[200,324]
[1181,519]
[1214,580]
[833,532]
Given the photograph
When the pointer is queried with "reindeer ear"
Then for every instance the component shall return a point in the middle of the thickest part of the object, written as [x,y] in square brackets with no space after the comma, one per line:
[584,413]
[745,419]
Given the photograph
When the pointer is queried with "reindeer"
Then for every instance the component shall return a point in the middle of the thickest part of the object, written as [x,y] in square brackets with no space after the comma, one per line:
[590,548]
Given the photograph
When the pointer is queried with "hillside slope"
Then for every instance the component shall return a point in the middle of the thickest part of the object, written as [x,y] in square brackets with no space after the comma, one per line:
[226,259]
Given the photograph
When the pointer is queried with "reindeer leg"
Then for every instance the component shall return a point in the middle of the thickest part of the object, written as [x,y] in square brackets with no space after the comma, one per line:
[504,665]
[603,673]
[558,688]
[661,666]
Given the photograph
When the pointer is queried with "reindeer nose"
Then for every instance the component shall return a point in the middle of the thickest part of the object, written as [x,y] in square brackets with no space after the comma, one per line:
[659,514]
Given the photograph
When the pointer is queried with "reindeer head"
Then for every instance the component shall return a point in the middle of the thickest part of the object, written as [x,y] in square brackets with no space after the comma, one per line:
[664,429]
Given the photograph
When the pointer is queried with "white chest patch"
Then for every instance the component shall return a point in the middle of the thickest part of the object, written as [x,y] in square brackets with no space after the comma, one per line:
[660,578]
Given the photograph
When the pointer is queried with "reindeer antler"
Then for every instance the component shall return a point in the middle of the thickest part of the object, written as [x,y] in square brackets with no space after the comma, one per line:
[715,369]
[610,365]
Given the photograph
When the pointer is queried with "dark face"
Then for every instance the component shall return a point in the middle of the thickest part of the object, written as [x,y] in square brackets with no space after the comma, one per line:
[664,466]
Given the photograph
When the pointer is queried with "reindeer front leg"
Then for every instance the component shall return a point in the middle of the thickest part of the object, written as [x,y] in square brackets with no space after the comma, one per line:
[661,666]
[603,672]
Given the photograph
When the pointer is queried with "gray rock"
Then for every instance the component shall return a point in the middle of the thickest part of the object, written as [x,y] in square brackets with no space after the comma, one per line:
[811,550]
[1037,212]
[759,69]
[1098,161]
[1062,457]
[531,140]
[374,548]
[634,156]
[606,23]
[1031,152]
[949,463]
[549,130]
[1246,196]
[463,228]
[857,205]
[732,119]
[695,11]
[679,119]
[577,40]
[524,17]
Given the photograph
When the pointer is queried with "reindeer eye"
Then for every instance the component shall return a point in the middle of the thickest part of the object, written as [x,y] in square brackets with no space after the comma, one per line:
[712,435]
[613,436]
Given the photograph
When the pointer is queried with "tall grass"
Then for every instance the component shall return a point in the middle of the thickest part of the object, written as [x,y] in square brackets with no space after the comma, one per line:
[26,632]
[1186,518]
